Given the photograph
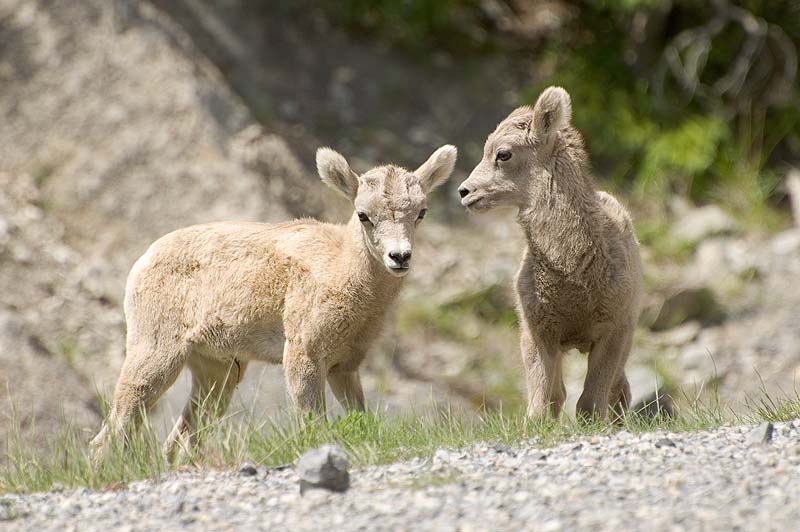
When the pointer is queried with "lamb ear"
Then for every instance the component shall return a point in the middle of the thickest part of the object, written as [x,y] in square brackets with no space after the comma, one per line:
[552,112]
[437,168]
[336,173]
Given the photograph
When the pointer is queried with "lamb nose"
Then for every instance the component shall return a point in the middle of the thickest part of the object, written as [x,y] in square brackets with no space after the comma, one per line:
[463,191]
[400,258]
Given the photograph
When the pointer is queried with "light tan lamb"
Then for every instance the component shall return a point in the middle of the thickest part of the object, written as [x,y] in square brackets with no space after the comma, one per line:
[307,294]
[579,284]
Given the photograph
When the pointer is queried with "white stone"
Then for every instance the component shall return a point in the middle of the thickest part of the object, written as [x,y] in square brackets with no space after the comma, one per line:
[698,224]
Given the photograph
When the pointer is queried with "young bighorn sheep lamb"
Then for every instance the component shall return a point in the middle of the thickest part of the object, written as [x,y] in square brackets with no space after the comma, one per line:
[579,284]
[307,294]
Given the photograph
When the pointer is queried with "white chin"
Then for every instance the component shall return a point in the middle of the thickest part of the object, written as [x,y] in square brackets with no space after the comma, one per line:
[476,205]
[398,272]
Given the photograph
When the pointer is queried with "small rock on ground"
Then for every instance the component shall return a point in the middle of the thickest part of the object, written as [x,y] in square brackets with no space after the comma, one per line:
[325,467]
[247,469]
[762,434]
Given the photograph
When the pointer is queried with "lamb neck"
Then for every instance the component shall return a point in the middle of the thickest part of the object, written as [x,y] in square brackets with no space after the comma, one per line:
[562,224]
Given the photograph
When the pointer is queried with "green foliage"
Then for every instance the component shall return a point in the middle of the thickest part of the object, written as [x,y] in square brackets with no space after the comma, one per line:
[765,408]
[675,156]
[415,25]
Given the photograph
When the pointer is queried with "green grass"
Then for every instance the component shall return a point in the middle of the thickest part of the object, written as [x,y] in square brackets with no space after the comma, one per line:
[369,438]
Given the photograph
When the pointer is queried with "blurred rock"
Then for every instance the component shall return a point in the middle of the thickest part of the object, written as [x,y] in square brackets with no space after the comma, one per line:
[38,391]
[664,442]
[786,243]
[124,14]
[325,467]
[658,403]
[270,156]
[248,469]
[684,303]
[678,336]
[643,380]
[441,457]
[698,224]
[716,258]
[697,360]
[762,434]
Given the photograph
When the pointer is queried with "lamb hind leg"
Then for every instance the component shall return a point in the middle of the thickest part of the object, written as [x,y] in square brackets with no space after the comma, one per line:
[144,377]
[213,384]
[621,392]
[604,374]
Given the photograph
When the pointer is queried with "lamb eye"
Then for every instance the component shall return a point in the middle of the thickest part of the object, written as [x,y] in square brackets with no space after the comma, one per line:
[364,218]
[504,155]
[422,214]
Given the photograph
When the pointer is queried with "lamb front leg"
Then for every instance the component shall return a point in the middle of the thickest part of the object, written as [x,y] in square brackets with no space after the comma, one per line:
[545,384]
[305,379]
[346,387]
[620,396]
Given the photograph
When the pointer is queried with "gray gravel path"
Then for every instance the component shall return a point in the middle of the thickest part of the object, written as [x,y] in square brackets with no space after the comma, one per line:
[718,480]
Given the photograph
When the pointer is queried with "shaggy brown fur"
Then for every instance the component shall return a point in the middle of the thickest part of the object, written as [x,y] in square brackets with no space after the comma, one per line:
[307,294]
[580,281]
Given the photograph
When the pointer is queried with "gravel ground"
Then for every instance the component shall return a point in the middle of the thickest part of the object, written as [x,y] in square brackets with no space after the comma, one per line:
[717,480]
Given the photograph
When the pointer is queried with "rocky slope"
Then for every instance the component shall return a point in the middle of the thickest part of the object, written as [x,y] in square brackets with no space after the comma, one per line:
[111,137]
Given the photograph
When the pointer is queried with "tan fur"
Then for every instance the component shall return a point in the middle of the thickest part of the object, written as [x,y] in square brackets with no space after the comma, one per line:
[307,294]
[579,284]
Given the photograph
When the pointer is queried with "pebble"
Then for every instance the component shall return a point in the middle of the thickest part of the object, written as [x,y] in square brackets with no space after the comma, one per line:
[665,442]
[441,457]
[248,470]
[762,434]
[502,448]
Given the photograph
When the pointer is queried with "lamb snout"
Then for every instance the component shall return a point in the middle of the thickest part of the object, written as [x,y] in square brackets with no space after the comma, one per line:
[471,190]
[400,258]
[397,260]
[470,195]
